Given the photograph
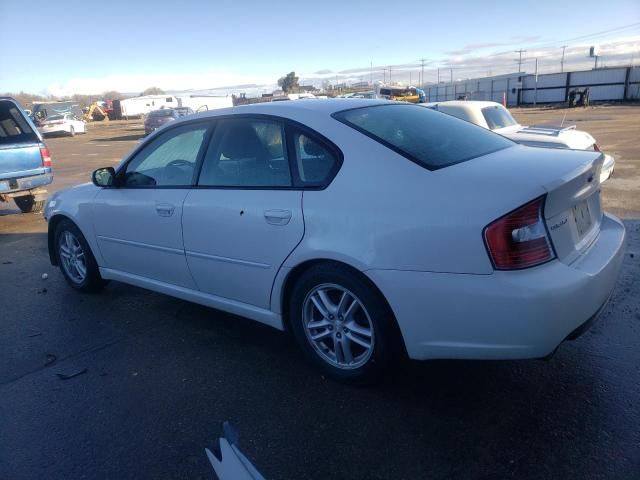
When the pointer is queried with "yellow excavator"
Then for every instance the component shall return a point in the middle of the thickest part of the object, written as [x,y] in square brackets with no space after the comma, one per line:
[95,113]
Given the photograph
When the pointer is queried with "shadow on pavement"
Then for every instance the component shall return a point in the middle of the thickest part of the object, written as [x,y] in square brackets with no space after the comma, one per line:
[123,138]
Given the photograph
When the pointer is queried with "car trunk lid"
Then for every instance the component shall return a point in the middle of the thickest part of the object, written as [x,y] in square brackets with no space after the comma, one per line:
[568,178]
[573,210]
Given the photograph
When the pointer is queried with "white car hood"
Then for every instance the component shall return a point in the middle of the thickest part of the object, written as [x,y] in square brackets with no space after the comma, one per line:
[545,136]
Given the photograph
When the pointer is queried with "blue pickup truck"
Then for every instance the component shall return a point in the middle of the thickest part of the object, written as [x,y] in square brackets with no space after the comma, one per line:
[25,163]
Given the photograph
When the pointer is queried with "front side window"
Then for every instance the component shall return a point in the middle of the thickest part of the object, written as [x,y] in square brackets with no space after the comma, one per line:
[169,160]
[246,152]
[498,117]
[315,162]
[426,137]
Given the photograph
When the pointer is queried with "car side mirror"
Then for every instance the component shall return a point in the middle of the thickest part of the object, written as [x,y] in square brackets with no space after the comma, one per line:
[103,177]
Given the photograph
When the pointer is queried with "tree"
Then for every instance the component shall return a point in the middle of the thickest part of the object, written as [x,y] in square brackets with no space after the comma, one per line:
[112,95]
[289,83]
[153,91]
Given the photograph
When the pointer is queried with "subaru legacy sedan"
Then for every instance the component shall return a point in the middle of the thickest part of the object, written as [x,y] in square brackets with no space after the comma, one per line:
[371,230]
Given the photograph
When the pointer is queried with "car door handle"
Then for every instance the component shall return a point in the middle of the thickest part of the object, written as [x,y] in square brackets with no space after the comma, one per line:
[277,217]
[165,209]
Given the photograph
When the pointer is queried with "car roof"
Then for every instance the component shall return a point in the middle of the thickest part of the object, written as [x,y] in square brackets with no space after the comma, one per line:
[294,107]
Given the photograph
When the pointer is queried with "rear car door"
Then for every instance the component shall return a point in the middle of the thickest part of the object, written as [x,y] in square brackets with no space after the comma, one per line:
[138,223]
[244,216]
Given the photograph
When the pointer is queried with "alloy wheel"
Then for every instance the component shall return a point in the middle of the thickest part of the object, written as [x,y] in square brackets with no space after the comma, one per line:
[73,257]
[338,326]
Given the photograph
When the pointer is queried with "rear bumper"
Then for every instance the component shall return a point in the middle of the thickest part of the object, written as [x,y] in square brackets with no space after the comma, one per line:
[14,185]
[505,315]
[54,131]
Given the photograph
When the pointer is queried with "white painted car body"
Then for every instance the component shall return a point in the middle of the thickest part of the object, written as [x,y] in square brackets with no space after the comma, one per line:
[63,123]
[417,234]
[546,136]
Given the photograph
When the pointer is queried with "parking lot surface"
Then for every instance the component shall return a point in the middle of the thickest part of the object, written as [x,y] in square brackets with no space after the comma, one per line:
[134,384]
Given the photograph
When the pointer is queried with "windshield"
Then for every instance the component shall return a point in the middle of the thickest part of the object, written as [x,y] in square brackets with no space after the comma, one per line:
[161,113]
[426,137]
[498,117]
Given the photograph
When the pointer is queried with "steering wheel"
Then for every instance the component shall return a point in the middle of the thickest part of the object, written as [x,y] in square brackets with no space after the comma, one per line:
[179,163]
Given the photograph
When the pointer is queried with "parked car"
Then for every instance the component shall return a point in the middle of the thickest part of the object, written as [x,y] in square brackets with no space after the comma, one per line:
[25,163]
[64,124]
[159,118]
[369,230]
[184,111]
[497,118]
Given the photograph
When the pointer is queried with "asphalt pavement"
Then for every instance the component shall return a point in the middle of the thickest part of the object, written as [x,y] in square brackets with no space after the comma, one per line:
[133,384]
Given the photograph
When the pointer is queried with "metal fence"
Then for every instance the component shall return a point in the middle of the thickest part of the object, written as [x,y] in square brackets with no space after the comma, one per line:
[621,84]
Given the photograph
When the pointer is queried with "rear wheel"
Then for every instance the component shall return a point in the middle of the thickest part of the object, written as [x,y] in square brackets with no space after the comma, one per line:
[72,131]
[29,204]
[77,263]
[342,323]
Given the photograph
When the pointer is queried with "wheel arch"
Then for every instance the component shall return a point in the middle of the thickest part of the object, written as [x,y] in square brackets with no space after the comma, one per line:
[54,221]
[296,272]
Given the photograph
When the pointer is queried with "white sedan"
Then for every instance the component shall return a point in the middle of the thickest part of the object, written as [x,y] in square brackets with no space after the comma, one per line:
[370,229]
[65,123]
[497,118]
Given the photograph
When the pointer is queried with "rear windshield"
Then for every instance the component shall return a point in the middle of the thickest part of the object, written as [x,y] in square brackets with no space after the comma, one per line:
[431,139]
[161,113]
[13,126]
[498,117]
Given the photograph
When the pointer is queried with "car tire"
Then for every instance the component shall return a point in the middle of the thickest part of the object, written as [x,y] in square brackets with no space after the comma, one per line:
[29,204]
[367,334]
[75,259]
[72,131]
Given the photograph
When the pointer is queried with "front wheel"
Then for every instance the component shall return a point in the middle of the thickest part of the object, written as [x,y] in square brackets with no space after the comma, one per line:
[77,263]
[29,204]
[342,323]
[72,131]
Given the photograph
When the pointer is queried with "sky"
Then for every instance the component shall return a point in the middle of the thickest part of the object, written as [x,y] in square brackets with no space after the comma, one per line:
[91,47]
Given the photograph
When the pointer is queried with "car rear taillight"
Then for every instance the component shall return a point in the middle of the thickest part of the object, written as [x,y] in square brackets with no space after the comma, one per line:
[46,158]
[519,239]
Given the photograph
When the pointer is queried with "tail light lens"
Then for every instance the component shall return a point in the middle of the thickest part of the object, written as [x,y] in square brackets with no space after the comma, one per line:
[46,158]
[519,239]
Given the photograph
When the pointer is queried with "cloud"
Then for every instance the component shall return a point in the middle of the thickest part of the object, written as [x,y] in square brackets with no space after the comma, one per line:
[323,72]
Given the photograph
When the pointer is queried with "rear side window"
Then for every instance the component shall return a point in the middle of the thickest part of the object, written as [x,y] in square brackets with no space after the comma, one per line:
[13,126]
[314,161]
[246,152]
[426,137]
[498,117]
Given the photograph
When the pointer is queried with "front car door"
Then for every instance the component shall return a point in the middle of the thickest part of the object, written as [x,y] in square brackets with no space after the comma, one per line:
[244,216]
[138,222]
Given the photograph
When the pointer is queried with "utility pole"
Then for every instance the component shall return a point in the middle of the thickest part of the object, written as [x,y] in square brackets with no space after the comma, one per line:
[409,77]
[438,76]
[562,59]
[519,60]
[422,60]
[451,74]
[389,74]
[371,73]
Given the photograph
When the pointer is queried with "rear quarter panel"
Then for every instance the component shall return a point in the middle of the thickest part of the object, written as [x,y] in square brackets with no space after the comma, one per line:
[383,211]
